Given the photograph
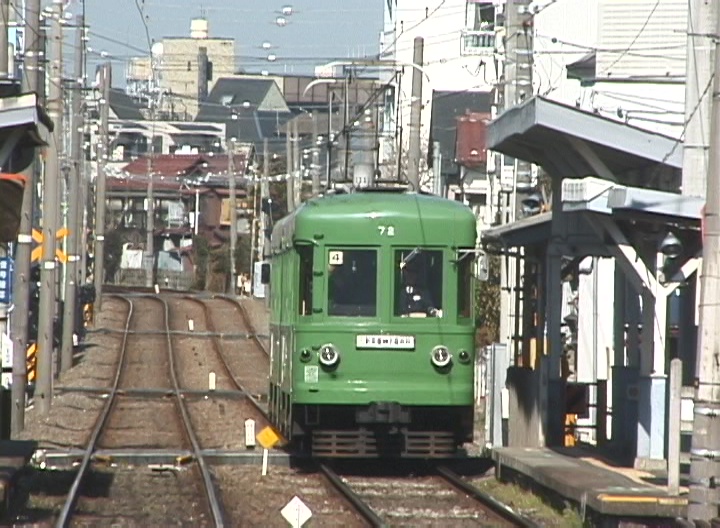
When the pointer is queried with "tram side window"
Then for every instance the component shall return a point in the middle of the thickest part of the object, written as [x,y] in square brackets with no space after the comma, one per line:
[419,283]
[352,282]
[465,285]
[305,276]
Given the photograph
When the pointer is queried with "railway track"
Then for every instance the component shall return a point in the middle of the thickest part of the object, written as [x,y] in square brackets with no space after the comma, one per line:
[246,366]
[432,496]
[80,508]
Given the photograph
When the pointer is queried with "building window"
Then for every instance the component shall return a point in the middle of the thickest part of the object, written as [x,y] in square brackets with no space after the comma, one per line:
[478,36]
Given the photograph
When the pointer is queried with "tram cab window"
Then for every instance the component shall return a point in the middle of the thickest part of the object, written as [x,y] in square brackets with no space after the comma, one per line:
[419,283]
[352,282]
[465,291]
[305,278]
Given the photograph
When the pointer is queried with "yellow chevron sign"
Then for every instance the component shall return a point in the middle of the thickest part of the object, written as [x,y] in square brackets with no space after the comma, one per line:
[38,238]
[31,362]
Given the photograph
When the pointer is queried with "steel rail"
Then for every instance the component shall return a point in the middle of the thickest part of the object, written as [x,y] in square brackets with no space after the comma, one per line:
[246,318]
[500,509]
[360,506]
[71,500]
[212,496]
[218,349]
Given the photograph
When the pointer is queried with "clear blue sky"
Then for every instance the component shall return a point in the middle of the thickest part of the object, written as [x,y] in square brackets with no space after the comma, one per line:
[316,30]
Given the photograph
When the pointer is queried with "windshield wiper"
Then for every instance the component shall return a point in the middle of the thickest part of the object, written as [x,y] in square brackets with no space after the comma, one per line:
[414,253]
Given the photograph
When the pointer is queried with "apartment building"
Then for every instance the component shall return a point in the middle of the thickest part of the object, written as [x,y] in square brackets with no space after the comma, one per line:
[186,69]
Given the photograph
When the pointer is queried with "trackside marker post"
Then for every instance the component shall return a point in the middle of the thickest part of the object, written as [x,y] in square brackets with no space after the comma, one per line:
[267,438]
[211,381]
[250,433]
[191,325]
[157,289]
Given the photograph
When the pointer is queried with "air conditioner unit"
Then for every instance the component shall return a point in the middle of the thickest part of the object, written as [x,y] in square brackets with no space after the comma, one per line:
[584,190]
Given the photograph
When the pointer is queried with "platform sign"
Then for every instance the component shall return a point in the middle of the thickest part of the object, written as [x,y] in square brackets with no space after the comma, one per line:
[268,438]
[296,512]
[6,279]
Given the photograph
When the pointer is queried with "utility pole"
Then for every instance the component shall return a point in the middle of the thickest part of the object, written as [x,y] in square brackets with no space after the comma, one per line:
[701,26]
[264,194]
[289,188]
[413,171]
[517,88]
[74,215]
[315,159]
[297,167]
[150,220]
[48,273]
[704,495]
[346,125]
[99,250]
[233,214]
[4,74]
[437,170]
[21,281]
[329,143]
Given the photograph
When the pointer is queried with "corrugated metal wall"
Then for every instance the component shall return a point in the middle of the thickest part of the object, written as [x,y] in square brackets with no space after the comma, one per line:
[642,38]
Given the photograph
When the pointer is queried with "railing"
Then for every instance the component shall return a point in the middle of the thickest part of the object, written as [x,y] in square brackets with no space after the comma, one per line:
[477,42]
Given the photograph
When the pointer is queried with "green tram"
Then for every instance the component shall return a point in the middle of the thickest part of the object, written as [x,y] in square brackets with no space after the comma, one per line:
[372,336]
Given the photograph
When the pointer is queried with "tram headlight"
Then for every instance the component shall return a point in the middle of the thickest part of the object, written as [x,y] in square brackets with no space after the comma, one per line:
[440,356]
[464,356]
[329,355]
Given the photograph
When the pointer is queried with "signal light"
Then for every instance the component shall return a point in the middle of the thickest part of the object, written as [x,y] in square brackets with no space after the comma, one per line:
[305,355]
[440,356]
[329,356]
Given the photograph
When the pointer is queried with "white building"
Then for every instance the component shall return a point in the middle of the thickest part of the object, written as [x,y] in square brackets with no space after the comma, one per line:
[459,56]
[629,53]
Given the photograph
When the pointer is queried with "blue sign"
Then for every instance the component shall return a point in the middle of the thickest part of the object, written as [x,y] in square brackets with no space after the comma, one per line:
[6,279]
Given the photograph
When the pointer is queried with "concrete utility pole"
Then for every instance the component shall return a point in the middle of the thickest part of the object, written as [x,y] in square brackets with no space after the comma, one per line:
[74,216]
[102,154]
[701,26]
[329,143]
[517,88]
[346,126]
[315,163]
[264,193]
[21,282]
[704,494]
[437,170]
[413,171]
[297,167]
[289,188]
[48,276]
[4,74]
[149,257]
[233,214]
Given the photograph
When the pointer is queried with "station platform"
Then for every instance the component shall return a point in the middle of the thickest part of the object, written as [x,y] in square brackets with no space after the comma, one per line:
[591,483]
[14,456]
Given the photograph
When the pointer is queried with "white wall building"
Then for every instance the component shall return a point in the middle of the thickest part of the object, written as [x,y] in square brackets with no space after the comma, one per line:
[459,42]
[636,49]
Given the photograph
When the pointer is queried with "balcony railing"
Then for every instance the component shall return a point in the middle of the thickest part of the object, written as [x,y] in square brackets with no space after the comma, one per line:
[477,42]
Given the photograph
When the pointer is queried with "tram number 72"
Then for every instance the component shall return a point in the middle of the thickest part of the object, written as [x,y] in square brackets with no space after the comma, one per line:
[386,230]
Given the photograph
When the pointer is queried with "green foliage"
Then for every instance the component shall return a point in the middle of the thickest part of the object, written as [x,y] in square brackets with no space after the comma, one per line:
[242,254]
[487,304]
[201,253]
[114,240]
